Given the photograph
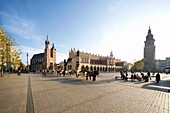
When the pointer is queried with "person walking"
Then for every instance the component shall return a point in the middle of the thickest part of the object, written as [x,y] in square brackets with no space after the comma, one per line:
[149,75]
[158,77]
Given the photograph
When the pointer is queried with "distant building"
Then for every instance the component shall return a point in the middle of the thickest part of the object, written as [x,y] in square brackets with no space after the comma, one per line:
[45,60]
[162,64]
[149,52]
[85,61]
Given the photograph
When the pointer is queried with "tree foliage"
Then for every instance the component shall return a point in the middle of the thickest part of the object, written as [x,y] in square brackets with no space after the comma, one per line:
[22,65]
[8,57]
[138,65]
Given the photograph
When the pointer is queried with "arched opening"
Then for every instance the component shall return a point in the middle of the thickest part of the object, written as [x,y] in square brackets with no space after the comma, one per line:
[82,68]
[100,68]
[94,68]
[97,68]
[105,68]
[91,68]
[87,68]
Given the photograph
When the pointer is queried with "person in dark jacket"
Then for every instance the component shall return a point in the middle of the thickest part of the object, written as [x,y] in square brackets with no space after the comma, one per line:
[158,77]
[149,75]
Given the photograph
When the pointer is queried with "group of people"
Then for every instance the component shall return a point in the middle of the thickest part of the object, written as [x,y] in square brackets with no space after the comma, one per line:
[158,77]
[44,72]
[88,74]
[92,74]
[134,76]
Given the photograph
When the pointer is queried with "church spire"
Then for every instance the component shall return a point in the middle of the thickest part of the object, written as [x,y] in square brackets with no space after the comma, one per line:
[47,41]
[149,31]
[52,46]
[149,36]
[111,54]
[47,37]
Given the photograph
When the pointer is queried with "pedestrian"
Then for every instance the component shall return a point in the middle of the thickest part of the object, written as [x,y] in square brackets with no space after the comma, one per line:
[142,74]
[19,72]
[158,77]
[126,77]
[149,75]
[45,72]
[132,77]
[94,76]
[87,75]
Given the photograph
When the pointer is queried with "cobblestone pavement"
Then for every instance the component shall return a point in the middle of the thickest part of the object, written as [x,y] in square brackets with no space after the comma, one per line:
[13,94]
[52,94]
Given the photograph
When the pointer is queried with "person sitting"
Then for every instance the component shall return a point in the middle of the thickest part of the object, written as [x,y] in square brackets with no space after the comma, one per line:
[138,77]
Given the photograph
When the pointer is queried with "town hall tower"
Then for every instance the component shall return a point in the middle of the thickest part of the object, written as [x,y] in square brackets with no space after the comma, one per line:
[149,52]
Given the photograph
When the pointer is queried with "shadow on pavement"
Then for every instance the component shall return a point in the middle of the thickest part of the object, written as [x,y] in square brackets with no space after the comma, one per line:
[68,80]
[163,86]
[79,81]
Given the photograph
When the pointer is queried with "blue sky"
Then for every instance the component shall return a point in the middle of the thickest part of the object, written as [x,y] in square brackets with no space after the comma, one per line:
[94,26]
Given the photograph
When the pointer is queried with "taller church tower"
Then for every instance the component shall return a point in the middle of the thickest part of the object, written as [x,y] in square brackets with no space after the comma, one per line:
[149,52]
[47,53]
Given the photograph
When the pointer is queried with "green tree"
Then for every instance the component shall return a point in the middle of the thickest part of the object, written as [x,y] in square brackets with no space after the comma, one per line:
[22,65]
[138,65]
[6,42]
[3,53]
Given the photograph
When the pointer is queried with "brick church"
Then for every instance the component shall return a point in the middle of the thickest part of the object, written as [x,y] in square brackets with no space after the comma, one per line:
[45,60]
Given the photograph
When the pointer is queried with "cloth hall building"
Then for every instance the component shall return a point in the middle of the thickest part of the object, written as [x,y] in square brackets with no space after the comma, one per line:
[90,62]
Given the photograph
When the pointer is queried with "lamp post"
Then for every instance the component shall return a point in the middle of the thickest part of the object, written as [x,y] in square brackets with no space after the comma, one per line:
[27,63]
[2,65]
[7,56]
[65,64]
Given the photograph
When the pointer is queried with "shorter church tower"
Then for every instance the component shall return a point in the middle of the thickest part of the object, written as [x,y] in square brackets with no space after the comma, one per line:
[53,54]
[149,52]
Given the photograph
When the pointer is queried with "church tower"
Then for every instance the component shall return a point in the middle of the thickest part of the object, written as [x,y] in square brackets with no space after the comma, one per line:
[149,52]
[47,53]
[111,54]
[53,54]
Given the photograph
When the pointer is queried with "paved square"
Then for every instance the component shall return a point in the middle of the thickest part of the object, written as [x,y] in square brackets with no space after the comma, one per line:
[52,94]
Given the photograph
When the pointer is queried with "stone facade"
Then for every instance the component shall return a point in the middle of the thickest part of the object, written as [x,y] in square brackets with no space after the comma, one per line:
[86,61]
[45,60]
[161,65]
[149,52]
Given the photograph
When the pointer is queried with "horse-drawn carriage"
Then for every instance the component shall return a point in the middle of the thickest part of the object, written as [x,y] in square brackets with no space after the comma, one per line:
[92,74]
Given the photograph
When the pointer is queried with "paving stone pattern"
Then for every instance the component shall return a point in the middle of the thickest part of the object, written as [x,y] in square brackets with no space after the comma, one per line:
[76,95]
[53,94]
[13,94]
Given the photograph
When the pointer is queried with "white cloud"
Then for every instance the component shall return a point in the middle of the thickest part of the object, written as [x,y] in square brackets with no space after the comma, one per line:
[61,57]
[31,51]
[21,27]
[127,43]
[60,45]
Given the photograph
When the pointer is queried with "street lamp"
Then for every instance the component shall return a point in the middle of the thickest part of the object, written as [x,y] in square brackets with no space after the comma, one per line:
[2,65]
[7,56]
[27,63]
